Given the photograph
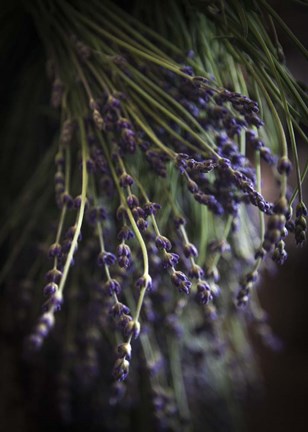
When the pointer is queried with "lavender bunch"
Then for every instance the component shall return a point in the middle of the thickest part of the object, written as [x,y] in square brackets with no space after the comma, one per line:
[163,128]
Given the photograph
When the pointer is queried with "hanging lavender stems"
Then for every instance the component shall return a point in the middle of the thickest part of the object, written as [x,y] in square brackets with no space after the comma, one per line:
[165,118]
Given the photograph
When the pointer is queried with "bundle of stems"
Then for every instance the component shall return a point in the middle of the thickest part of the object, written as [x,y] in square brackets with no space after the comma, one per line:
[162,120]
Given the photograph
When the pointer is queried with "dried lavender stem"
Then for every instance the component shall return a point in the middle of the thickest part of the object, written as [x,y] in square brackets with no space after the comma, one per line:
[82,206]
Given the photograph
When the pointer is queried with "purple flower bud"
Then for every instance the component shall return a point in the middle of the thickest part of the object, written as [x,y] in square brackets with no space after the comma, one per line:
[178,277]
[150,208]
[178,221]
[41,330]
[163,243]
[190,54]
[260,253]
[55,302]
[71,232]
[106,258]
[77,201]
[124,319]
[142,224]
[132,201]
[123,123]
[190,250]
[276,221]
[282,206]
[66,245]
[170,260]
[119,309]
[301,210]
[125,233]
[124,350]
[128,140]
[196,272]
[90,165]
[126,180]
[59,178]
[181,162]
[185,287]
[53,275]
[55,250]
[120,369]
[112,286]
[113,102]
[224,164]
[121,212]
[144,282]
[47,319]
[188,70]
[280,255]
[132,329]
[204,295]
[267,155]
[50,289]
[124,255]
[35,341]
[67,200]
[98,119]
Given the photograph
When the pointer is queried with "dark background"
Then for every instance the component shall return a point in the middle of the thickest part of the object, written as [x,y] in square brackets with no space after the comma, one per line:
[283,404]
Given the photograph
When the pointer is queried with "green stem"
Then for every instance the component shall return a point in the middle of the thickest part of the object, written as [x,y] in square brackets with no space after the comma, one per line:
[82,206]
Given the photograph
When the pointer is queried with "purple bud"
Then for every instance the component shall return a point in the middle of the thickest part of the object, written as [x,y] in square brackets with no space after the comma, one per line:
[120,369]
[142,224]
[124,320]
[112,286]
[119,309]
[90,165]
[113,102]
[178,221]
[50,289]
[77,201]
[106,258]
[196,272]
[124,255]
[190,250]
[132,201]
[125,233]
[53,275]
[67,200]
[35,341]
[203,292]
[267,155]
[126,180]
[170,260]
[55,301]
[162,243]
[124,350]
[47,319]
[144,282]
[55,250]
[59,178]
[150,208]
[132,329]
[128,140]
[178,277]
